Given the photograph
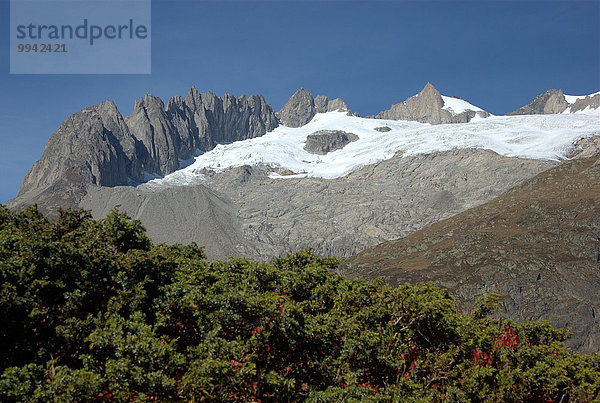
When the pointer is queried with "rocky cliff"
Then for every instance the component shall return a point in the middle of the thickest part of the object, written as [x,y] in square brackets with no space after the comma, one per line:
[590,101]
[538,245]
[97,146]
[302,107]
[93,146]
[555,101]
[551,101]
[428,106]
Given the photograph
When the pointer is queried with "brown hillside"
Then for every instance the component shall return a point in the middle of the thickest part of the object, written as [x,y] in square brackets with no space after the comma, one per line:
[538,244]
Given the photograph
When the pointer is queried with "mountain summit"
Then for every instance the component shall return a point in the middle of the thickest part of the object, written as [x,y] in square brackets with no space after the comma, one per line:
[555,101]
[429,106]
[97,146]
[302,107]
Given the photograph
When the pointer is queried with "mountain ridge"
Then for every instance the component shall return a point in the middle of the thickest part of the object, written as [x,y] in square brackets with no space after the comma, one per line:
[555,101]
[98,146]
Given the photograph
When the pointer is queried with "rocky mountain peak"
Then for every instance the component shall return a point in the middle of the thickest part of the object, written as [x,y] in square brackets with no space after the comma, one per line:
[551,101]
[555,101]
[97,146]
[424,107]
[301,94]
[149,101]
[302,107]
[430,91]
[176,103]
[93,146]
[298,110]
[428,106]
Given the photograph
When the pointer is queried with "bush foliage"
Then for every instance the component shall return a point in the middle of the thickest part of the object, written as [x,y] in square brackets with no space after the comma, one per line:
[92,310]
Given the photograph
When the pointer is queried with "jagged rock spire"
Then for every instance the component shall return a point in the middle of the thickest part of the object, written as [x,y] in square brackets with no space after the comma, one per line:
[302,107]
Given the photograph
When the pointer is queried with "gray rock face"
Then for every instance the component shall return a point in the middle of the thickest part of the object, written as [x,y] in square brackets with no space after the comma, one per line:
[98,147]
[551,101]
[214,120]
[581,104]
[93,146]
[326,141]
[302,107]
[152,126]
[585,148]
[427,107]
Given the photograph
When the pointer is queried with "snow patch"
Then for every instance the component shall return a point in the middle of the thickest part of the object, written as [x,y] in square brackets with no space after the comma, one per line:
[457,106]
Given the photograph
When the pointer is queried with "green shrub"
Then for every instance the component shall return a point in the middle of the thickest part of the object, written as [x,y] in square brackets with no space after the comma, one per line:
[93,310]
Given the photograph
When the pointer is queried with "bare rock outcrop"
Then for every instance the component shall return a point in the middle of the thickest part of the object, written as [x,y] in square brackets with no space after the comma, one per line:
[302,107]
[98,147]
[383,129]
[93,146]
[325,141]
[428,107]
[151,124]
[551,101]
[215,120]
[585,147]
[591,102]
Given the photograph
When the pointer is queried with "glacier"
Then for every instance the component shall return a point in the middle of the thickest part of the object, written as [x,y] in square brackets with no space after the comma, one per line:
[543,137]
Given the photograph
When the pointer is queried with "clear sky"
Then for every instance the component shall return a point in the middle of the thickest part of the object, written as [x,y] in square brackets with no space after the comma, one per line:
[496,54]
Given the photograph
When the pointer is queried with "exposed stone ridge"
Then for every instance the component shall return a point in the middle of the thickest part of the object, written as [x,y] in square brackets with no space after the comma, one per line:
[551,101]
[585,148]
[427,107]
[593,102]
[302,107]
[93,146]
[98,146]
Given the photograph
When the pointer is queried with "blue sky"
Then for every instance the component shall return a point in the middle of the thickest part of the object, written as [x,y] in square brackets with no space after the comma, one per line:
[496,54]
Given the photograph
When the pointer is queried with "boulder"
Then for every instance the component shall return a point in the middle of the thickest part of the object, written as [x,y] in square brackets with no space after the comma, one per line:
[325,141]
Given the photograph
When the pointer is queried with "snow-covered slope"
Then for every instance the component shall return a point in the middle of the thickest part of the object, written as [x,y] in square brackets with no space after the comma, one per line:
[547,137]
[457,105]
